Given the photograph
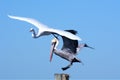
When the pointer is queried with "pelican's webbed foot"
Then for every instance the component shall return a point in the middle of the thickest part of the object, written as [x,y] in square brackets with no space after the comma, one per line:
[65,68]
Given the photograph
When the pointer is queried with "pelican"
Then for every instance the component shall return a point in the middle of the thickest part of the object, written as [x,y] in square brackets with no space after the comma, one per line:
[69,49]
[44,30]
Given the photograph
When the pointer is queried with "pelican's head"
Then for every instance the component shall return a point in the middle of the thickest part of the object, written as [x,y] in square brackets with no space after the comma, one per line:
[54,44]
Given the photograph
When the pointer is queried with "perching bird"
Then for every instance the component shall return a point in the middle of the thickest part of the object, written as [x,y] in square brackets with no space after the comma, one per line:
[69,50]
[44,30]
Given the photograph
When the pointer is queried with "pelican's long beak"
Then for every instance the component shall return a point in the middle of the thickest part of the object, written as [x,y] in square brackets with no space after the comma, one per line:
[52,49]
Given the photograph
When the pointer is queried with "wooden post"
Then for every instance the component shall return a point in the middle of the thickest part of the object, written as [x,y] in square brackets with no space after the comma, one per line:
[61,76]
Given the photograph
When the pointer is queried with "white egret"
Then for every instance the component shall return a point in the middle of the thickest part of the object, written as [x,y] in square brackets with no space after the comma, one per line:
[44,30]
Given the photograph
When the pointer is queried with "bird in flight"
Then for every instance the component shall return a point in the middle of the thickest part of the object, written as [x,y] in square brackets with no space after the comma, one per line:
[45,30]
[69,49]
[70,40]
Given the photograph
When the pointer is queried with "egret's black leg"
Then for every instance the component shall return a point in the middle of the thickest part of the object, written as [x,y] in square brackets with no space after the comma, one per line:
[56,36]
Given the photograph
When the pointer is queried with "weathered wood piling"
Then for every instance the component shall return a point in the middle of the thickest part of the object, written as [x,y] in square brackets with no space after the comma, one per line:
[61,76]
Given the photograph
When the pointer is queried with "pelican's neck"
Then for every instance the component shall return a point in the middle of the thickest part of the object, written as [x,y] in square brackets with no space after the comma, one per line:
[57,42]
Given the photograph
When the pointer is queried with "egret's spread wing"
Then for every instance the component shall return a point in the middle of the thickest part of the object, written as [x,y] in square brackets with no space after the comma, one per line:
[64,33]
[44,28]
[29,20]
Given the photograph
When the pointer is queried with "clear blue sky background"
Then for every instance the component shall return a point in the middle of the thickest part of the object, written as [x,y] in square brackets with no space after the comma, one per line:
[97,22]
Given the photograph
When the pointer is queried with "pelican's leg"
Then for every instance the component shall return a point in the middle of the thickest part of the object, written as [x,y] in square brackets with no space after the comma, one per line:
[64,68]
[74,60]
[77,60]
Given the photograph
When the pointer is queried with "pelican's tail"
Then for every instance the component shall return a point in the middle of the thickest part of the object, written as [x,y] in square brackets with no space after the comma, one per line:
[76,60]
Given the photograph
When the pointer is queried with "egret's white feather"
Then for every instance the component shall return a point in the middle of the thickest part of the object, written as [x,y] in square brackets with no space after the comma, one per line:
[29,20]
[43,28]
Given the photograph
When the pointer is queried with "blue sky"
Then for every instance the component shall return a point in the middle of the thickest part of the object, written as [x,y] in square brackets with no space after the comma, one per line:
[97,23]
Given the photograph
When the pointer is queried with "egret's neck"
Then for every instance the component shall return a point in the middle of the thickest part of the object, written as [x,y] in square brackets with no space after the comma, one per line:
[34,34]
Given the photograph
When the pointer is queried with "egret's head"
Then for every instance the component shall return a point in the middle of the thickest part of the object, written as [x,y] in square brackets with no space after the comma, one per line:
[31,29]
[33,33]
